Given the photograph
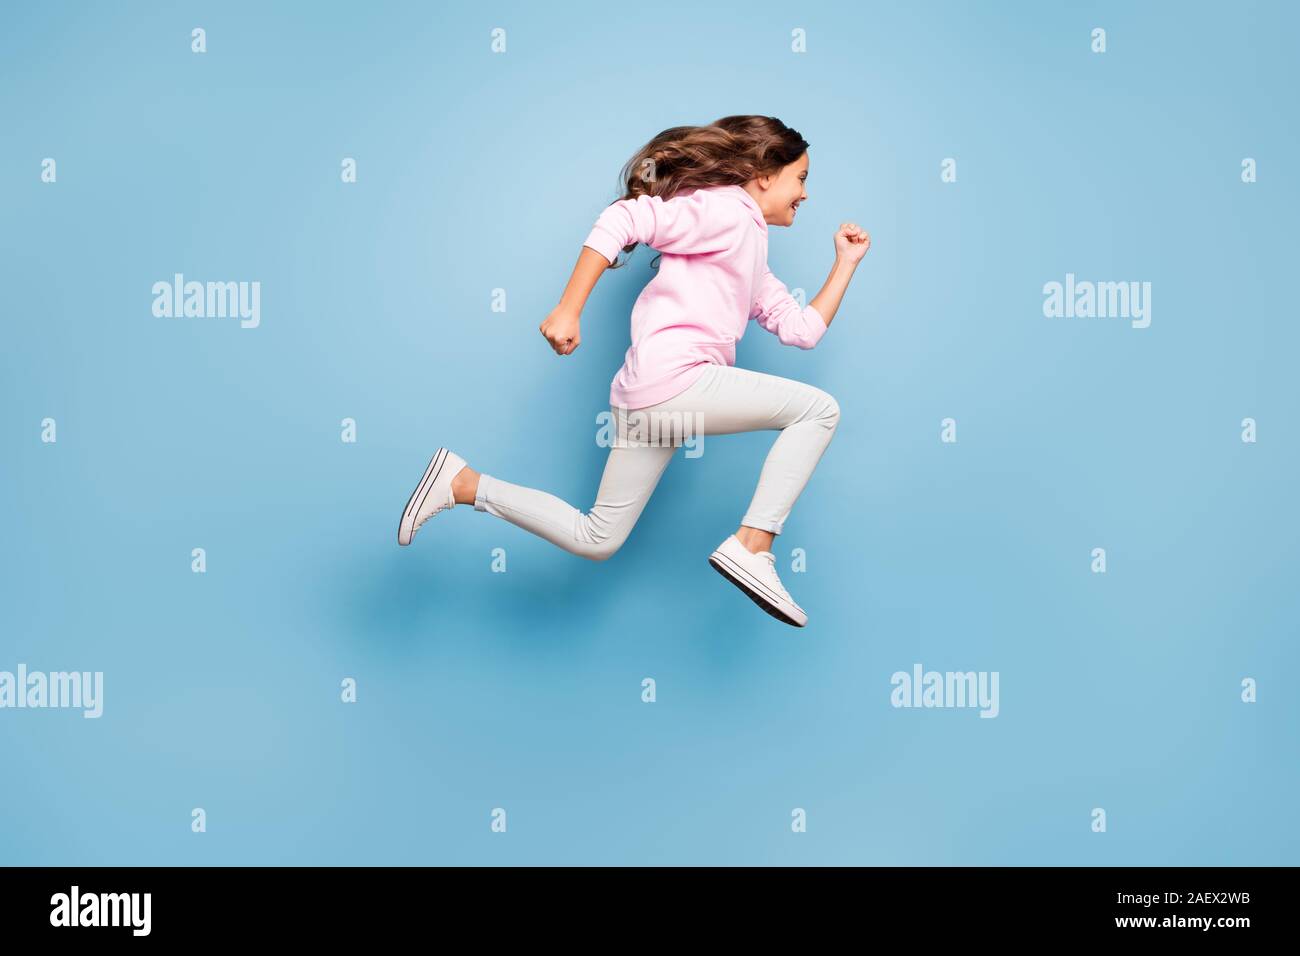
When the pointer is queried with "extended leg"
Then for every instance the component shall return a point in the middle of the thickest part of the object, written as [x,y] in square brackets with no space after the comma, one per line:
[631,475]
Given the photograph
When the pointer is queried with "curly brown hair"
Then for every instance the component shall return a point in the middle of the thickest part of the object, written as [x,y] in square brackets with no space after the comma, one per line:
[728,152]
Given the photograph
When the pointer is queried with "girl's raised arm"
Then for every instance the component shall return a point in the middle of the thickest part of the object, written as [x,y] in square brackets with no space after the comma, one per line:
[851,244]
[777,311]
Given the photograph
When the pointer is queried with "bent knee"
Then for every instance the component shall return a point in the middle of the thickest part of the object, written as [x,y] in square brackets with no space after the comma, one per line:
[602,547]
[828,411]
[602,550]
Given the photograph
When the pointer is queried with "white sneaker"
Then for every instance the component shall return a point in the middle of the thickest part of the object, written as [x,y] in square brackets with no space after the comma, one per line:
[431,495]
[755,574]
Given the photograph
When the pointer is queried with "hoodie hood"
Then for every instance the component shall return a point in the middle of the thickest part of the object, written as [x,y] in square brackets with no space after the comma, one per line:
[742,194]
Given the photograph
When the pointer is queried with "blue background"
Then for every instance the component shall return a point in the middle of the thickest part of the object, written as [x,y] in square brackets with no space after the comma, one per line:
[521,690]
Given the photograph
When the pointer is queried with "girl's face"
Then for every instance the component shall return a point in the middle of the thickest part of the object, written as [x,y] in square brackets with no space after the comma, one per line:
[779,195]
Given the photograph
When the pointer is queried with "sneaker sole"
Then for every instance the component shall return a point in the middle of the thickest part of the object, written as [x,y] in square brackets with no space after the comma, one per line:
[406,530]
[751,588]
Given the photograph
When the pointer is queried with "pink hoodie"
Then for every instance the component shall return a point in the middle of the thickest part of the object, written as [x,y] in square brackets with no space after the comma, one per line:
[713,278]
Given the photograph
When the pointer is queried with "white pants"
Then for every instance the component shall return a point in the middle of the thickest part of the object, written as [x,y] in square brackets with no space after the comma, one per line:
[724,400]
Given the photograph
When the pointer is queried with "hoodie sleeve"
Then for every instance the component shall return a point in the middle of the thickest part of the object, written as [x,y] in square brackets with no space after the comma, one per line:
[777,311]
[692,224]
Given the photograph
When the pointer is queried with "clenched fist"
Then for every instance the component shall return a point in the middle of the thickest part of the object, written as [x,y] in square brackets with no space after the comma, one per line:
[561,330]
[851,242]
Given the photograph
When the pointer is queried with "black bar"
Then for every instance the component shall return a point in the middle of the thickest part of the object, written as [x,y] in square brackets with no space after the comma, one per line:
[654,905]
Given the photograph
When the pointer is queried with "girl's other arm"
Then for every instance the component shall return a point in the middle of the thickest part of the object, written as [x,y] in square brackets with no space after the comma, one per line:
[777,311]
[561,327]
[691,224]
[851,244]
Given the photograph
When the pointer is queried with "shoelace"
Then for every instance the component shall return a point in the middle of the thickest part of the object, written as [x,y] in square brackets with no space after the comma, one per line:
[774,578]
[451,503]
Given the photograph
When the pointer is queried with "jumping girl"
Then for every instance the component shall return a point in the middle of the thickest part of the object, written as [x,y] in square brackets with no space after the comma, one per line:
[703,197]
